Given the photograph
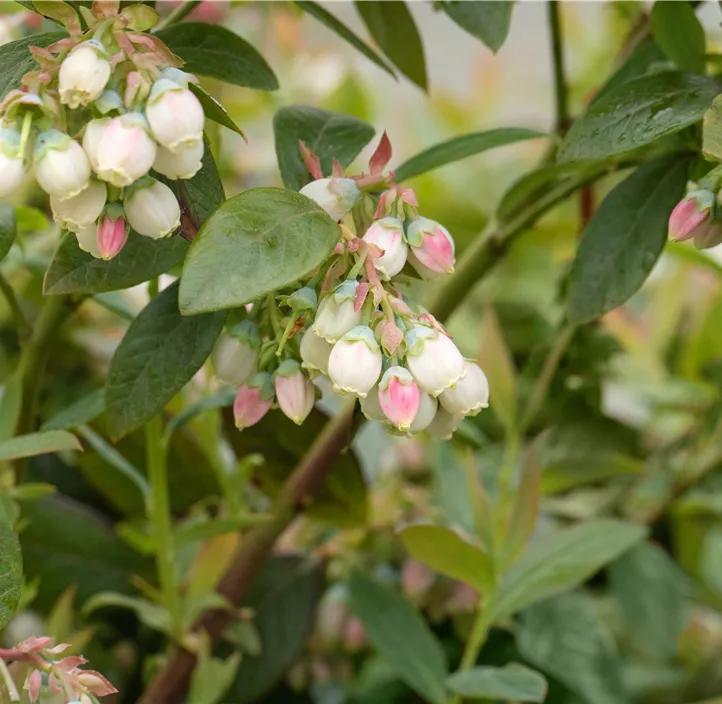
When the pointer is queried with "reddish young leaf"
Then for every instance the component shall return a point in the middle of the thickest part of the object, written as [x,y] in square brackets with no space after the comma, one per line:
[361,292]
[336,168]
[312,162]
[381,157]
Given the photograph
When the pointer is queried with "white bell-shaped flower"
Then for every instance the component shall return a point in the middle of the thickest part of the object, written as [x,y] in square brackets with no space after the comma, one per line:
[295,392]
[355,362]
[61,167]
[336,315]
[175,115]
[94,131]
[444,424]
[469,395]
[335,195]
[12,167]
[388,235]
[152,209]
[82,210]
[315,352]
[184,163]
[235,355]
[125,151]
[433,359]
[88,240]
[371,406]
[428,406]
[83,74]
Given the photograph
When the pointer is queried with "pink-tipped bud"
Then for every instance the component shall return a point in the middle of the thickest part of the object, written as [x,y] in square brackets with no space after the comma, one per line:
[253,401]
[399,397]
[294,391]
[354,635]
[33,684]
[416,579]
[690,216]
[112,236]
[709,234]
[432,247]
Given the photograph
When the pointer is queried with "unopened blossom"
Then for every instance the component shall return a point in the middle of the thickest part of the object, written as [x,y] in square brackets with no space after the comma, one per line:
[444,424]
[469,395]
[355,362]
[432,248]
[388,235]
[81,210]
[235,355]
[399,397]
[88,240]
[112,235]
[253,400]
[428,407]
[183,164]
[315,352]
[416,579]
[83,74]
[336,314]
[12,167]
[691,216]
[433,359]
[92,135]
[371,406]
[295,392]
[175,115]
[335,195]
[125,151]
[61,167]
[152,209]
[709,236]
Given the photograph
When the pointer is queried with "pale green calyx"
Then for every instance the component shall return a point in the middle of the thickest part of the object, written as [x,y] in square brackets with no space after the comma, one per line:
[416,337]
[48,141]
[92,44]
[262,381]
[246,332]
[10,143]
[109,101]
[179,77]
[288,367]
[401,373]
[362,333]
[161,86]
[416,230]
[303,299]
[345,291]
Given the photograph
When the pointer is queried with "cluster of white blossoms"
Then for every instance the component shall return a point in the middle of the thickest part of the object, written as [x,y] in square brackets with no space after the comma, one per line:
[105,108]
[351,325]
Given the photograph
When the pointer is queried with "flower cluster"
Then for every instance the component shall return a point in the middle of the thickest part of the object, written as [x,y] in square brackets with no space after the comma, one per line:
[59,675]
[356,329]
[105,107]
[698,216]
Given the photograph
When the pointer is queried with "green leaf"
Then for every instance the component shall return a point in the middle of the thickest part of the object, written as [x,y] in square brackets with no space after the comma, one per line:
[342,500]
[712,131]
[561,561]
[214,110]
[16,60]
[199,532]
[8,228]
[74,271]
[35,444]
[513,682]
[566,638]
[679,34]
[624,239]
[488,21]
[448,553]
[652,592]
[284,597]
[646,59]
[158,356]
[57,11]
[150,614]
[567,473]
[212,677]
[11,569]
[328,135]
[637,113]
[327,19]
[402,637]
[462,147]
[255,243]
[393,28]
[66,542]
[210,50]
[32,491]
[80,412]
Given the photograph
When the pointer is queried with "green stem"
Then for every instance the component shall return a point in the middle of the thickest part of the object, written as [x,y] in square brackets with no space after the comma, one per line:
[177,15]
[475,642]
[273,315]
[160,516]
[21,322]
[561,97]
[7,678]
[25,132]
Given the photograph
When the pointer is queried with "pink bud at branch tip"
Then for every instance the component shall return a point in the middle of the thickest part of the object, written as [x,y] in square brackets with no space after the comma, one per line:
[399,397]
[687,220]
[249,407]
[112,236]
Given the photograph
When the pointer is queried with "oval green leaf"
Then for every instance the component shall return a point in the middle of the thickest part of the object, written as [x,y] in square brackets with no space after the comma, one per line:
[11,570]
[637,113]
[487,21]
[460,148]
[210,50]
[214,110]
[74,271]
[158,356]
[679,34]
[255,243]
[34,444]
[624,239]
[513,682]
[328,135]
[402,637]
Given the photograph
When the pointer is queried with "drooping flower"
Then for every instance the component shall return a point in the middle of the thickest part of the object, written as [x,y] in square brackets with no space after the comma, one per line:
[444,424]
[125,151]
[355,362]
[185,163]
[433,359]
[691,216]
[81,210]
[235,355]
[428,406]
[469,395]
[152,209]
[61,167]
[175,115]
[94,131]
[253,400]
[399,397]
[83,74]
[432,248]
[88,240]
[112,234]
[371,407]
[315,352]
[12,167]
[335,195]
[336,314]
[295,392]
[388,235]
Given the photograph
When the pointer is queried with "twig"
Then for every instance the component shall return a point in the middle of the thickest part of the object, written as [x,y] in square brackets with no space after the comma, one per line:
[561,96]
[177,15]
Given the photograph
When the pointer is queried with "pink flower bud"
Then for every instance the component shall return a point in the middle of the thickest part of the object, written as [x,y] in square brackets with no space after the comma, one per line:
[354,635]
[253,401]
[432,247]
[399,397]
[416,579]
[32,684]
[388,235]
[125,151]
[690,216]
[112,236]
[294,391]
[433,359]
[469,395]
[83,74]
[355,362]
[175,115]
